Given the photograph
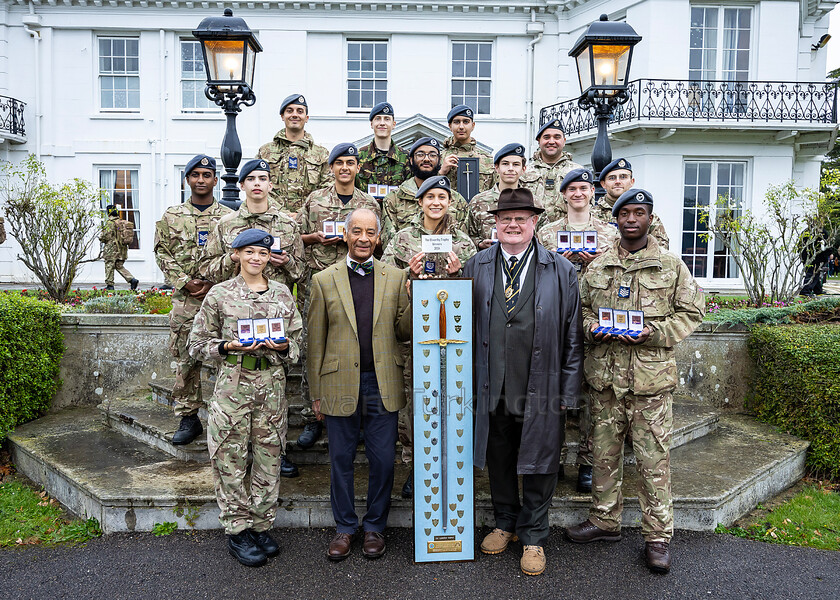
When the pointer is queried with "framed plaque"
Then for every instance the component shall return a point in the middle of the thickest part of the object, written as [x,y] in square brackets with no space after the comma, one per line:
[467,181]
[444,516]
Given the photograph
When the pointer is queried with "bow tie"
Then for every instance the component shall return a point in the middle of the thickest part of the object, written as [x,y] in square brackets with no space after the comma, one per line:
[366,267]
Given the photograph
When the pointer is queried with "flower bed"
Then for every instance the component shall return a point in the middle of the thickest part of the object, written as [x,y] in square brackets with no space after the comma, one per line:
[99,301]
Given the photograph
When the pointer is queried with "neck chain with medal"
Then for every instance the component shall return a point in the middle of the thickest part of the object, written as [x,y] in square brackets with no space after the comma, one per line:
[513,274]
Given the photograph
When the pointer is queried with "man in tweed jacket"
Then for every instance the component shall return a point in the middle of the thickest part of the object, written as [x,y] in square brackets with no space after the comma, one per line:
[359,312]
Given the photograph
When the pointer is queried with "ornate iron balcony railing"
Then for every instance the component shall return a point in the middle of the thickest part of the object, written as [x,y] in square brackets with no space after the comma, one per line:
[710,101]
[11,117]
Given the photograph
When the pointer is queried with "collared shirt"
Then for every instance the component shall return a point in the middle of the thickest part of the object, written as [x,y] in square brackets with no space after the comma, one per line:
[506,257]
[357,269]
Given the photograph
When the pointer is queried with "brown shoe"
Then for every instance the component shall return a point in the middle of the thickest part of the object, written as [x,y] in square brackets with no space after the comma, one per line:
[374,545]
[589,532]
[658,557]
[340,546]
[497,541]
[533,560]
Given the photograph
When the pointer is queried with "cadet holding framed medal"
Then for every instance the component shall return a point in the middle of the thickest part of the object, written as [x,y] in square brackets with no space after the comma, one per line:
[248,407]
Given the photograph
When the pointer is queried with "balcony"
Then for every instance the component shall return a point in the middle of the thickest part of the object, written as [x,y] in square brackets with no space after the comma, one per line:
[671,104]
[12,125]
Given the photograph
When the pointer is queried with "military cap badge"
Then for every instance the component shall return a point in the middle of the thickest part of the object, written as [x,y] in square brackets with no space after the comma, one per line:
[442,181]
[556,123]
[386,110]
[301,99]
[267,241]
[204,161]
[263,165]
[622,163]
[468,112]
[584,176]
[640,197]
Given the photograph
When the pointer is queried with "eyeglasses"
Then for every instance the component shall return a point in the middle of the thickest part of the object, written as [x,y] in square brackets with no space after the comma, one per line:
[431,155]
[517,220]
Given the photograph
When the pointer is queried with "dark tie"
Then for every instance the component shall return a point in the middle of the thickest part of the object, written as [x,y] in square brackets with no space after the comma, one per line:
[512,288]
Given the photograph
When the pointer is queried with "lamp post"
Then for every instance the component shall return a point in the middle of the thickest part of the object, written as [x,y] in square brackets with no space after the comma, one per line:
[602,55]
[230,51]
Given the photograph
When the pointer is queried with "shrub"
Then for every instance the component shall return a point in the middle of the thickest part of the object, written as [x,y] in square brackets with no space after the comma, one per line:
[822,309]
[796,386]
[31,345]
[124,305]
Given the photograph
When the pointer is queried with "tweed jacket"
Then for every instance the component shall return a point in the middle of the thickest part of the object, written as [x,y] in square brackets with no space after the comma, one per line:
[332,360]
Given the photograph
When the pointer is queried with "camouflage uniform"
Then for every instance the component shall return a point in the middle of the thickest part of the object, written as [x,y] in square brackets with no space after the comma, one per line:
[383,168]
[631,385]
[603,210]
[399,251]
[323,205]
[248,405]
[480,223]
[486,172]
[607,236]
[180,238]
[544,182]
[114,253]
[216,264]
[293,185]
[401,206]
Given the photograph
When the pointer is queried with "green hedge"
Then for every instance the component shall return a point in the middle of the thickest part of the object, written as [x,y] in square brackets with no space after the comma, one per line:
[796,386]
[31,345]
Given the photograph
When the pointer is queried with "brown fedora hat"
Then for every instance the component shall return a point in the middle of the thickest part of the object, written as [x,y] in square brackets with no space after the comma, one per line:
[516,199]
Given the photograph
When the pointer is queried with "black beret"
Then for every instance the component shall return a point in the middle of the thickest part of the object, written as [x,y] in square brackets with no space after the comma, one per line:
[424,141]
[255,164]
[618,163]
[509,150]
[293,99]
[553,124]
[253,237]
[200,161]
[577,175]
[438,181]
[461,109]
[633,196]
[343,149]
[382,108]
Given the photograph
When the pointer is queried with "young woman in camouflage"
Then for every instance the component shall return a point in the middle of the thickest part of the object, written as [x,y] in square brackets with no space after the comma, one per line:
[248,404]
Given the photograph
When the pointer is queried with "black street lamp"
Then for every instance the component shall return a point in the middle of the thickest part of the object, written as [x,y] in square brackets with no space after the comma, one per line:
[230,52]
[602,55]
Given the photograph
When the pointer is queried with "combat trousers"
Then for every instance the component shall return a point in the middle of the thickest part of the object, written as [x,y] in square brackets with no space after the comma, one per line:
[247,498]
[584,456]
[528,518]
[649,419]
[119,265]
[405,427]
[186,393]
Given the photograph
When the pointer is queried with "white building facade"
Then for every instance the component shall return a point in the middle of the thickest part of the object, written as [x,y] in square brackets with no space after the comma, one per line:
[113,93]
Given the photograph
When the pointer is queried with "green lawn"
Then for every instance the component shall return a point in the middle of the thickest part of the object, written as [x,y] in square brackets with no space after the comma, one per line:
[811,518]
[30,517]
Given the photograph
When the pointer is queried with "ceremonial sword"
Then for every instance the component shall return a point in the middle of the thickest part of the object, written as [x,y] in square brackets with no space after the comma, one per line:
[442,295]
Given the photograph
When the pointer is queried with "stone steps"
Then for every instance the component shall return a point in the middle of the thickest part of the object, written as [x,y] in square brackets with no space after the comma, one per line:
[128,485]
[153,423]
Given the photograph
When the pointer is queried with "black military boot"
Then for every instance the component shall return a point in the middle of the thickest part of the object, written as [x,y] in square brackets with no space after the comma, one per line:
[109,287]
[584,482]
[189,429]
[243,548]
[311,434]
[408,486]
[288,468]
[134,283]
[265,542]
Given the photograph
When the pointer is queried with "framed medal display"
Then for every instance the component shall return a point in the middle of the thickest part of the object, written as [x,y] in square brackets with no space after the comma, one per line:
[605,320]
[277,329]
[563,243]
[260,329]
[245,328]
[637,323]
[577,241]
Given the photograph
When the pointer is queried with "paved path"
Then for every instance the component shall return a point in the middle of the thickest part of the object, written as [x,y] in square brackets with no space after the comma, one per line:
[193,566]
